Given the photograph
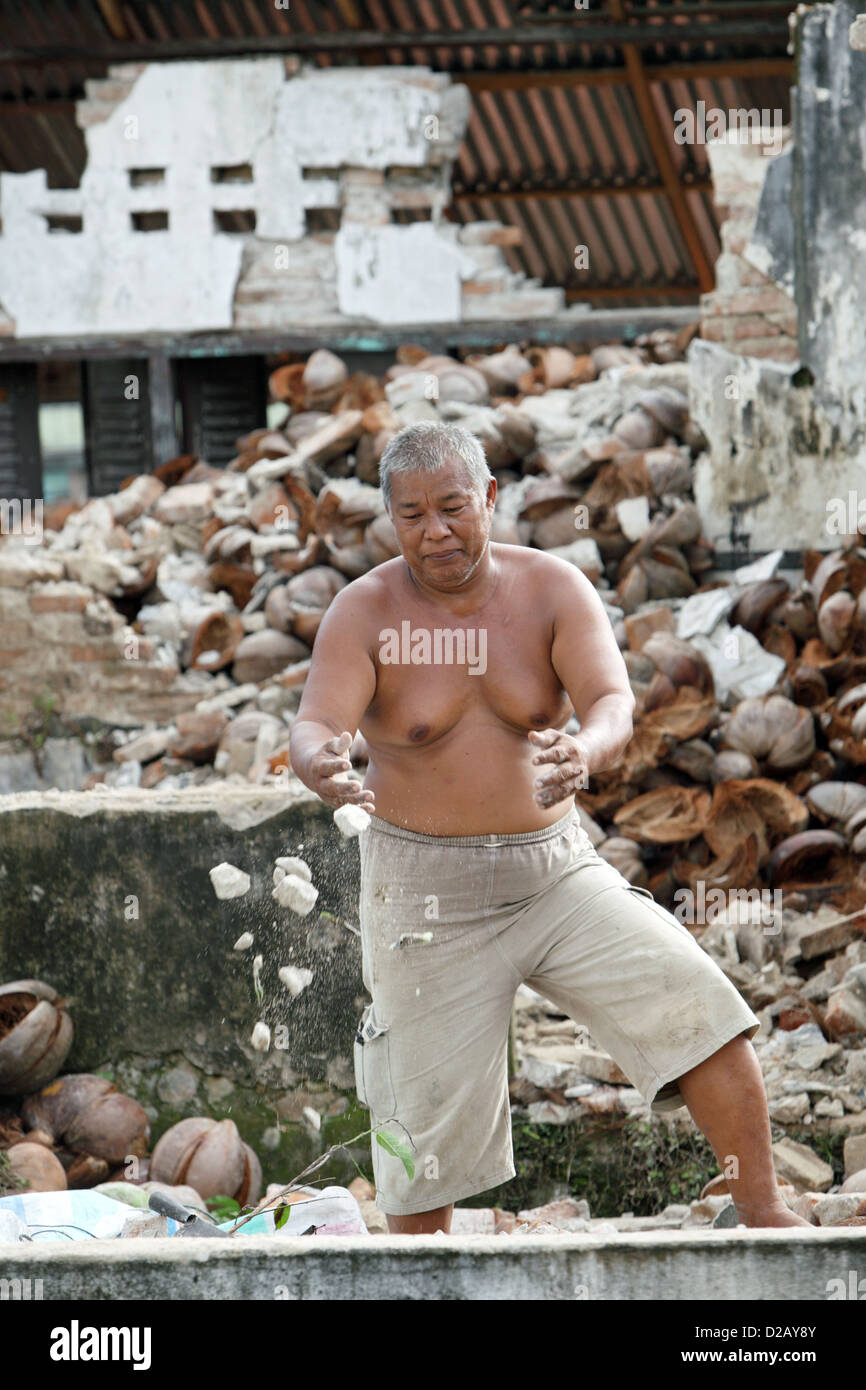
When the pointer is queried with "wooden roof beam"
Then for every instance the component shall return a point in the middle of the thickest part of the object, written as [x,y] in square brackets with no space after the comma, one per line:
[661,153]
[626,189]
[586,30]
[506,80]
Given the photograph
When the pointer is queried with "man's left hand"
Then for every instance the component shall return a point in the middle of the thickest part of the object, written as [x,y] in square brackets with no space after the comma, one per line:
[571,770]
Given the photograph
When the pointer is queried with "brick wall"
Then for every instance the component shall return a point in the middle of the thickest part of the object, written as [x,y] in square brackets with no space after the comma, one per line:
[63,640]
[747,312]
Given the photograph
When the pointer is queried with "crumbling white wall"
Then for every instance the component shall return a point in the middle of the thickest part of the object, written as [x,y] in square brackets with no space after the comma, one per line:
[364,140]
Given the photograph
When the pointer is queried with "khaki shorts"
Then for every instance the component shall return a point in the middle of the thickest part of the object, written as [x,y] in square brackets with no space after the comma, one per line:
[450,927]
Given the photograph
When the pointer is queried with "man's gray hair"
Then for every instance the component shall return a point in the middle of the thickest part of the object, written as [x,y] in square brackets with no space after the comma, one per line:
[427,445]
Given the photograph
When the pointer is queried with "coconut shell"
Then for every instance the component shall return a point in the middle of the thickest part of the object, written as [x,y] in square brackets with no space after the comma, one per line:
[667,574]
[35,1036]
[380,540]
[220,633]
[54,1108]
[732,763]
[218,1163]
[324,378]
[666,405]
[815,856]
[672,530]
[772,728]
[556,529]
[174,1149]
[797,613]
[645,751]
[557,365]
[738,869]
[808,686]
[694,758]
[624,855]
[279,610]
[266,653]
[836,802]
[757,602]
[501,370]
[112,1127]
[251,1186]
[686,716]
[660,693]
[759,807]
[633,589]
[682,663]
[615,482]
[638,430]
[665,816]
[38,1167]
[87,1171]
[669,471]
[237,580]
[286,384]
[835,620]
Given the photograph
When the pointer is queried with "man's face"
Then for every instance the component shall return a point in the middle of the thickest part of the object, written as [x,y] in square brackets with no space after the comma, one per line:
[442,523]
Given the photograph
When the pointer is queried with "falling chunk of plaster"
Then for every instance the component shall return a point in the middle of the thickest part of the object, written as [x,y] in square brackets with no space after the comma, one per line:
[295,978]
[229,882]
[288,864]
[296,893]
[312,1117]
[244,941]
[261,1037]
[351,820]
[425,937]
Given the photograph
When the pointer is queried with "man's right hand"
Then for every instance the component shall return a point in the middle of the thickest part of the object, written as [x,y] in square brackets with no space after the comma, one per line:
[325,767]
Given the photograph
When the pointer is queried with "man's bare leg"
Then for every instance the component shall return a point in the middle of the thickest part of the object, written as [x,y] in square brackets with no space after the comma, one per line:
[726,1098]
[422,1223]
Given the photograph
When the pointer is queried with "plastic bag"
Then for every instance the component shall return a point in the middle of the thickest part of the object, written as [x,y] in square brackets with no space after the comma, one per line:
[81,1214]
[332,1210]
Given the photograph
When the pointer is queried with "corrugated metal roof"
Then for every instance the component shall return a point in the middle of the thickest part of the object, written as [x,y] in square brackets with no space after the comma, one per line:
[558,143]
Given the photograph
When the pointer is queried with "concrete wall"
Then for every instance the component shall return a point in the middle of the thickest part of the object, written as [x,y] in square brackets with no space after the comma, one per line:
[786,451]
[107,898]
[672,1266]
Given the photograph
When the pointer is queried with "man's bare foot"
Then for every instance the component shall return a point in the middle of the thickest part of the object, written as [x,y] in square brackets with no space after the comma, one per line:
[776,1214]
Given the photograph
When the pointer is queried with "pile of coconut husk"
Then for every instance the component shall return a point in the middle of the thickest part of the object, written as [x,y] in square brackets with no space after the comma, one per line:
[745,768]
[80,1131]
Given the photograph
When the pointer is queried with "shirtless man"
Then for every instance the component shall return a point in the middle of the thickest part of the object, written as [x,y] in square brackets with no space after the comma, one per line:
[461,662]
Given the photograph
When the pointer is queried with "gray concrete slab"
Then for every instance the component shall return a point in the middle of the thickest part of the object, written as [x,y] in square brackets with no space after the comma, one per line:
[714,1266]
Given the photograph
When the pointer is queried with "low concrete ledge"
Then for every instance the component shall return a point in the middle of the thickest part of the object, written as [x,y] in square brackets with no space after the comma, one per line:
[667,1266]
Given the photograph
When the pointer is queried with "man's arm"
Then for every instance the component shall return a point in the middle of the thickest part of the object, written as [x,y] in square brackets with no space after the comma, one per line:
[591,669]
[339,687]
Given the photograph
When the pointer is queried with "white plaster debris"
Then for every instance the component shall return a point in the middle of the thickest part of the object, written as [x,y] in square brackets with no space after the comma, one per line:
[244,941]
[295,978]
[289,864]
[351,820]
[296,893]
[425,937]
[260,1038]
[229,882]
[258,962]
[312,1117]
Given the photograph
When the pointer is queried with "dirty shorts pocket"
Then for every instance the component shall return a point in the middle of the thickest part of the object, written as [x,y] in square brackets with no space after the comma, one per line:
[372,1056]
[667,917]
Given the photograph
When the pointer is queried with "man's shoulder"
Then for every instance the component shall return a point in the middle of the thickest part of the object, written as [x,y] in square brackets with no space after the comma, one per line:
[530,562]
[362,595]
